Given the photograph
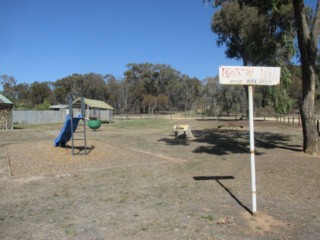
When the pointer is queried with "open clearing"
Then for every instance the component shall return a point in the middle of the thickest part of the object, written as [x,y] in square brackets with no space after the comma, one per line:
[138,182]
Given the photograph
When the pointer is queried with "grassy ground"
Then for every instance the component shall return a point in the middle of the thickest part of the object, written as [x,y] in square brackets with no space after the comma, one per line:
[139,182]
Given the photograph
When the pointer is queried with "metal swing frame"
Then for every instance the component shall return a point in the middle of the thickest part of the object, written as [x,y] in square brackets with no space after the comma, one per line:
[83,118]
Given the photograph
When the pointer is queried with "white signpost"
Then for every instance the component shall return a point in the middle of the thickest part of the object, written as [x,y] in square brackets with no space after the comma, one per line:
[237,75]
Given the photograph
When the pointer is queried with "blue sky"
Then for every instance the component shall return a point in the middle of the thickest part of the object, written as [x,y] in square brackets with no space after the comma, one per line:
[45,40]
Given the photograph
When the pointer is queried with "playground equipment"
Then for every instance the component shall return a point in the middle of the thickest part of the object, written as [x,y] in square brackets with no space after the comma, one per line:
[94,123]
[70,126]
[183,131]
[65,133]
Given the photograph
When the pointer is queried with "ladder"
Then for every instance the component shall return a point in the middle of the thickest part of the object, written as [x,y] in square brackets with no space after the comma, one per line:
[80,134]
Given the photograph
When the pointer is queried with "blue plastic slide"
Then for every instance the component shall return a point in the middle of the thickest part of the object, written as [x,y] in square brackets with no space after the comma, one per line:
[65,134]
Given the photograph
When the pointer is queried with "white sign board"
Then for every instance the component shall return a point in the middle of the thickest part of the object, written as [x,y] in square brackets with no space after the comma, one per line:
[238,75]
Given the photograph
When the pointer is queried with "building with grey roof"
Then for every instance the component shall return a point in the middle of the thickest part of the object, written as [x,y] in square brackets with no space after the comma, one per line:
[5,113]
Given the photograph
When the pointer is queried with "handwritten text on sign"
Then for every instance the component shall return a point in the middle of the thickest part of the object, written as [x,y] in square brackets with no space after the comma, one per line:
[237,75]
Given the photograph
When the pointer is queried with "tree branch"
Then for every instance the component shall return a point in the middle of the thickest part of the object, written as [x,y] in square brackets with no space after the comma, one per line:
[301,21]
[316,26]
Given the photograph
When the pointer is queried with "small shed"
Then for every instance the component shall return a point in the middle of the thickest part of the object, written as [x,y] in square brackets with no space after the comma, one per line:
[5,113]
[95,108]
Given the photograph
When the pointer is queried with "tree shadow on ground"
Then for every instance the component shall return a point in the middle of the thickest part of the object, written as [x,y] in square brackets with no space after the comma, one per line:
[218,180]
[230,141]
[172,140]
[221,142]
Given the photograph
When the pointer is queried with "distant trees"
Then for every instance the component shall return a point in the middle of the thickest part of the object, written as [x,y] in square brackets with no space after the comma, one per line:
[145,88]
[40,92]
[8,83]
[89,85]
[223,99]
[113,92]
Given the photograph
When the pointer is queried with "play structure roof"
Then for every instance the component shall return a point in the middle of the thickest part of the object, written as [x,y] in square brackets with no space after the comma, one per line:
[4,100]
[91,103]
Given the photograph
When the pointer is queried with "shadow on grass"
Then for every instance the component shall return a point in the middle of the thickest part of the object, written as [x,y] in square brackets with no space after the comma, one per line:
[231,141]
[81,150]
[172,140]
[17,127]
[218,180]
[221,142]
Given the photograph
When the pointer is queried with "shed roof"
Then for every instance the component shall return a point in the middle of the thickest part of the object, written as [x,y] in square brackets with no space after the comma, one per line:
[59,106]
[4,100]
[95,104]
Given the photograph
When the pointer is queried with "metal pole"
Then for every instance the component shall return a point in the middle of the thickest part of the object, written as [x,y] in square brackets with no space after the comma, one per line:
[252,152]
[83,113]
[71,122]
[11,120]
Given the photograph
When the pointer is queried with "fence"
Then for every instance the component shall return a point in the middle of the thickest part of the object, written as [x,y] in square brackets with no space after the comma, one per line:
[290,120]
[43,117]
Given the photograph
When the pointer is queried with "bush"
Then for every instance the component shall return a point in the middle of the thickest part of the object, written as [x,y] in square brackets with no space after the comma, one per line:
[43,106]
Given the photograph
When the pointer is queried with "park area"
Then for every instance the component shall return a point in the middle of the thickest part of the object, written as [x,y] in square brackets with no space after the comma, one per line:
[139,182]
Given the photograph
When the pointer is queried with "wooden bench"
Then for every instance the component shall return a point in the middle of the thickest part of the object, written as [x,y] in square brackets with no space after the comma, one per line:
[182,130]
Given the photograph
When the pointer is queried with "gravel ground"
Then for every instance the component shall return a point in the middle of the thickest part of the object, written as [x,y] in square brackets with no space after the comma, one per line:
[143,184]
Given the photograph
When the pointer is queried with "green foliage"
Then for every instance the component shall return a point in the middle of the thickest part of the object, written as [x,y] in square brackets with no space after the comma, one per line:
[162,88]
[281,102]
[148,86]
[89,85]
[8,83]
[43,106]
[256,38]
[260,33]
[40,92]
[23,104]
[145,88]
[278,96]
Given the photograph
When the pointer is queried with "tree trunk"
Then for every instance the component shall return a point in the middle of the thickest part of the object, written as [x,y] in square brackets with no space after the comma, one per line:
[307,42]
[309,125]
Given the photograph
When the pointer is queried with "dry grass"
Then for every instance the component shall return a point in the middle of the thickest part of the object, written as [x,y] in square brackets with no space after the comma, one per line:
[140,183]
